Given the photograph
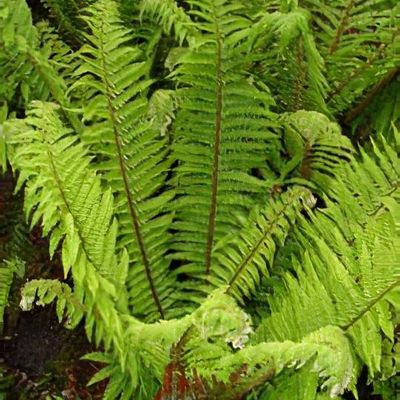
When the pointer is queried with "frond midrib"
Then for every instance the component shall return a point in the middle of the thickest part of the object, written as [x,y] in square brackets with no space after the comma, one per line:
[254,250]
[370,305]
[217,153]
[123,170]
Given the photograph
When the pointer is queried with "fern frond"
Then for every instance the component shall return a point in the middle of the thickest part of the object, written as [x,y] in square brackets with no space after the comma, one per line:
[315,146]
[66,14]
[284,41]
[64,193]
[8,268]
[131,155]
[42,292]
[359,41]
[170,16]
[221,135]
[327,352]
[357,236]
[217,319]
[24,63]
[241,260]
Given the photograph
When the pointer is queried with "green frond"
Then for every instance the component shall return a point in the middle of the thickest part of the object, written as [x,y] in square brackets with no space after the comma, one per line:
[359,41]
[221,136]
[64,193]
[316,147]
[170,16]
[326,352]
[185,160]
[217,319]
[379,109]
[42,292]
[357,238]
[3,142]
[131,155]
[66,15]
[8,268]
[29,68]
[283,41]
[241,260]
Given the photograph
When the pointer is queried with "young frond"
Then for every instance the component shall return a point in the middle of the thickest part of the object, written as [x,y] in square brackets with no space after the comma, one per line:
[326,354]
[316,148]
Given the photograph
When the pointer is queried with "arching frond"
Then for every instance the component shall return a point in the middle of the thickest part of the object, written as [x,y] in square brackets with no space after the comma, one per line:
[28,67]
[357,238]
[63,192]
[184,153]
[170,16]
[130,154]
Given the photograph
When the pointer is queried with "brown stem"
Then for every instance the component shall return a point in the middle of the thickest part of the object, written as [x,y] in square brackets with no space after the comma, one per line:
[357,72]
[342,26]
[217,155]
[124,173]
[254,250]
[367,99]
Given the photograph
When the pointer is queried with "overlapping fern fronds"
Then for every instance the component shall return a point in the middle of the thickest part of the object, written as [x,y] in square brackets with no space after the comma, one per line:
[186,159]
[356,238]
[30,69]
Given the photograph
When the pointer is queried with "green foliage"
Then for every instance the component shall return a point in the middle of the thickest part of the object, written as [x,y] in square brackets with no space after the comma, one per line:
[7,270]
[114,77]
[184,158]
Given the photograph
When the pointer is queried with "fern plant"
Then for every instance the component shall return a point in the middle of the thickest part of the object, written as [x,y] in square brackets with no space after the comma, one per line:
[185,159]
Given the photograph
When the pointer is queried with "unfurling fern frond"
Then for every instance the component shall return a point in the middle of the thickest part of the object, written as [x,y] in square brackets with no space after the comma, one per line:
[316,147]
[131,156]
[325,354]
[221,136]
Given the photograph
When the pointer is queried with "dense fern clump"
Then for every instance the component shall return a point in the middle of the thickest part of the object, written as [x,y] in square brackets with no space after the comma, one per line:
[221,179]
